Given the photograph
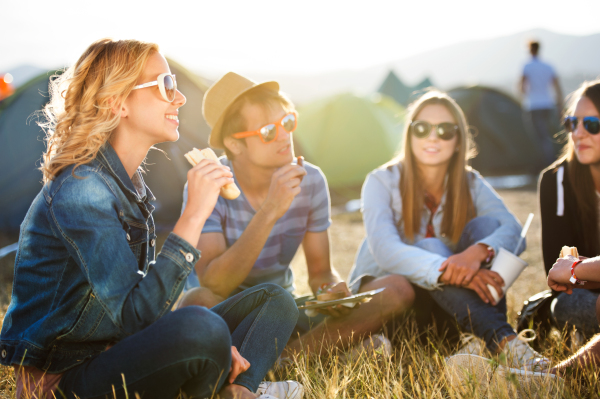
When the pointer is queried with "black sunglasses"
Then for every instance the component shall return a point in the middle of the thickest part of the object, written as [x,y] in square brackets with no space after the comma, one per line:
[445,130]
[590,123]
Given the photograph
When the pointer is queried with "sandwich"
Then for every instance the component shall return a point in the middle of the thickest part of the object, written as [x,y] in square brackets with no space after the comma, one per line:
[229,191]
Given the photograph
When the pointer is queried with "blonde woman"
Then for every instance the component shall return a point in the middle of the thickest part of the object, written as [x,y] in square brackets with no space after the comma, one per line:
[432,219]
[90,312]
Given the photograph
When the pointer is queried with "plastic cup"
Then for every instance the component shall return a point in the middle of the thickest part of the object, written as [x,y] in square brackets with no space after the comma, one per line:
[509,266]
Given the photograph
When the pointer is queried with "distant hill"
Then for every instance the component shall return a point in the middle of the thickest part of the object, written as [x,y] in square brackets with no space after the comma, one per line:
[494,62]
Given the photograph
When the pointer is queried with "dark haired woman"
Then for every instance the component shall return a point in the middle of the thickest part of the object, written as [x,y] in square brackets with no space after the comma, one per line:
[569,192]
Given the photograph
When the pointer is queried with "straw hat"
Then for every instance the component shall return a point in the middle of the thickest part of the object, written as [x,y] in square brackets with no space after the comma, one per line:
[219,97]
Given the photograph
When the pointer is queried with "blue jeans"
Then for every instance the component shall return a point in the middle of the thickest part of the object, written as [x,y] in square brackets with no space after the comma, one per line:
[577,309]
[190,349]
[472,314]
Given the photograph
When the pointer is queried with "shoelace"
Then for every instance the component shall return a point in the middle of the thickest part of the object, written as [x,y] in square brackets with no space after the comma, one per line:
[525,354]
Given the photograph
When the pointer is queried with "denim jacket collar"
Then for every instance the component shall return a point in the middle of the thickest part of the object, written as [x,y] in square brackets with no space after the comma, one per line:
[109,158]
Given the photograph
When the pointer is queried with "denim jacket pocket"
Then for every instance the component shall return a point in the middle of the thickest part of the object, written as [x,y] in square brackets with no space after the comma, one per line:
[289,246]
[87,323]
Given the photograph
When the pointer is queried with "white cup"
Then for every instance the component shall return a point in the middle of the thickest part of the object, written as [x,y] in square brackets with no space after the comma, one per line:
[509,266]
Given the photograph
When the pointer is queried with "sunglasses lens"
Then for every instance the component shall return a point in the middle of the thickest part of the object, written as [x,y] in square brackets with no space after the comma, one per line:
[268,132]
[591,124]
[170,87]
[421,129]
[447,131]
[289,123]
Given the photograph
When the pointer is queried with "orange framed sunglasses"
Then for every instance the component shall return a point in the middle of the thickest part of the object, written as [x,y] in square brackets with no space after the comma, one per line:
[270,132]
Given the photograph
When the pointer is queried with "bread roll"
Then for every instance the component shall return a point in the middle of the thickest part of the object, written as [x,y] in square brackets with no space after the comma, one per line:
[229,191]
[565,251]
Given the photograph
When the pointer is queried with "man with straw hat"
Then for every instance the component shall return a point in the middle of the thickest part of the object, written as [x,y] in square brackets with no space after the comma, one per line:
[284,203]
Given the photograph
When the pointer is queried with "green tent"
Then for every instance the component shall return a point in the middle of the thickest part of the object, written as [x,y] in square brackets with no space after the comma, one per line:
[348,136]
[21,147]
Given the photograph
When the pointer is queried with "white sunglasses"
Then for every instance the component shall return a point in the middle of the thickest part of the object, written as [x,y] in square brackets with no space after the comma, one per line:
[166,84]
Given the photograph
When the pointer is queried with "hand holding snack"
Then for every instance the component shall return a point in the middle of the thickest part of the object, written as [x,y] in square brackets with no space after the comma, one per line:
[229,191]
[205,181]
[560,273]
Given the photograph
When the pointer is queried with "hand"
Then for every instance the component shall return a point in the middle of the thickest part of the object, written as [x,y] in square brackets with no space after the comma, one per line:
[238,365]
[204,184]
[285,185]
[479,284]
[459,269]
[338,310]
[560,273]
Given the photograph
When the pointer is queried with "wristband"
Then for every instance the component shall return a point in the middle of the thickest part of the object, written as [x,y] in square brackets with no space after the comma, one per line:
[574,279]
[490,253]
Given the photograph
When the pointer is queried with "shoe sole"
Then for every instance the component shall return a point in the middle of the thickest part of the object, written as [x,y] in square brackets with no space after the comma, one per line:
[472,372]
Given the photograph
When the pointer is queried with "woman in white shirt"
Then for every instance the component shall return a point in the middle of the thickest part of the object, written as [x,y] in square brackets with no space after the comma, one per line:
[432,219]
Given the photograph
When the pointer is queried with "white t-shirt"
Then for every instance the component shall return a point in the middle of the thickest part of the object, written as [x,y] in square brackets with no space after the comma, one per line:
[539,77]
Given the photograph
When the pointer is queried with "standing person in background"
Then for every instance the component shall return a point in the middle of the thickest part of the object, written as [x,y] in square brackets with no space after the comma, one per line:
[536,82]
[569,194]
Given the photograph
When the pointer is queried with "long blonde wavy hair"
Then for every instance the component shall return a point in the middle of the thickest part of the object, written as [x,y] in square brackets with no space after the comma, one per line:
[79,116]
[459,208]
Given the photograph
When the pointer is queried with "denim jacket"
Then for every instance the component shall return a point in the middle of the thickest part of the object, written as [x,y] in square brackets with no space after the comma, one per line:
[86,275]
[386,250]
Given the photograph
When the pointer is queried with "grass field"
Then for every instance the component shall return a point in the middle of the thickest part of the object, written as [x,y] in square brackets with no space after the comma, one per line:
[416,369]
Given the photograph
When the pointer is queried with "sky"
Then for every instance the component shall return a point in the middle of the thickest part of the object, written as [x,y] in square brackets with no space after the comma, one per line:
[292,37]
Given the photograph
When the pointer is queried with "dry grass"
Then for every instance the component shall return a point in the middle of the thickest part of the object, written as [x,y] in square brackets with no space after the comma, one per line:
[416,369]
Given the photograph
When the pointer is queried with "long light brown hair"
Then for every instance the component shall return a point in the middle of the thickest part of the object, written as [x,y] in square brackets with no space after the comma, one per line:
[459,208]
[79,117]
[579,174]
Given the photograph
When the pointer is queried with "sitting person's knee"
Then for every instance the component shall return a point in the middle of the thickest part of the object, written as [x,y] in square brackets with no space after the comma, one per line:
[434,245]
[399,293]
[283,298]
[484,225]
[199,296]
[199,330]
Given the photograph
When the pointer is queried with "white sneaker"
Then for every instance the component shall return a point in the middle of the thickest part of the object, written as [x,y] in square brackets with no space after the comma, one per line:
[520,355]
[375,345]
[472,345]
[471,372]
[281,390]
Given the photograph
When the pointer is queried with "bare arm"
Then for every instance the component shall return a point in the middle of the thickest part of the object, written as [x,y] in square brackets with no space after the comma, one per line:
[223,269]
[588,270]
[320,271]
[204,182]
[318,260]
